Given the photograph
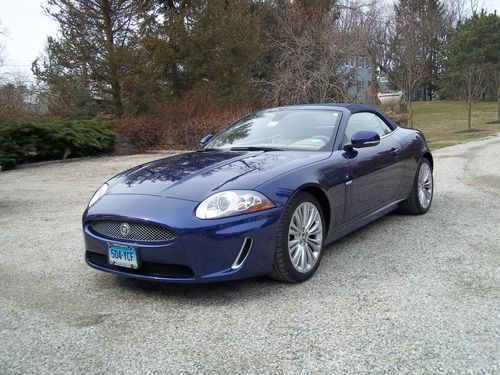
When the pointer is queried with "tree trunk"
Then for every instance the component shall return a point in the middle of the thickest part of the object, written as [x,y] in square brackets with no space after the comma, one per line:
[410,111]
[117,97]
[114,77]
[469,115]
[498,96]
[410,86]
[374,86]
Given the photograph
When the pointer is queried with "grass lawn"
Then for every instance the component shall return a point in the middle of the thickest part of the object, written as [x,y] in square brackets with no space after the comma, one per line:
[441,120]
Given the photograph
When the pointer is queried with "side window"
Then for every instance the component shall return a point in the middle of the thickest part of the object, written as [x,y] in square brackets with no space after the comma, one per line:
[384,126]
[365,121]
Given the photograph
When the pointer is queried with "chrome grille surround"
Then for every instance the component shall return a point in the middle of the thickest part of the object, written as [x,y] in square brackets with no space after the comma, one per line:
[140,232]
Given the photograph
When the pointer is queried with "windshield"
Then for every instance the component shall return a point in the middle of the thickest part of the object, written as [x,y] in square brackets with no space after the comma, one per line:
[280,130]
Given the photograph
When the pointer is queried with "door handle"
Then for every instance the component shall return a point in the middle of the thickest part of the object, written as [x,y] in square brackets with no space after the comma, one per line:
[395,151]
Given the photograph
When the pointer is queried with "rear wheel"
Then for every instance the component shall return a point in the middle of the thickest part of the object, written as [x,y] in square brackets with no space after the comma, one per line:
[300,240]
[420,198]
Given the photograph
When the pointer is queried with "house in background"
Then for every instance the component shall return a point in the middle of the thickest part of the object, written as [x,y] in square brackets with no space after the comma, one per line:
[359,66]
[361,75]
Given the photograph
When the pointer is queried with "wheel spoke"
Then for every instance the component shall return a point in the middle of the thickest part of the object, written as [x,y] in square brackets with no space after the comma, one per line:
[293,232]
[314,253]
[421,195]
[311,219]
[292,250]
[296,257]
[315,229]
[296,221]
[302,216]
[314,244]
[303,259]
[428,184]
[421,175]
[306,257]
[295,224]
[427,176]
[309,256]
[427,194]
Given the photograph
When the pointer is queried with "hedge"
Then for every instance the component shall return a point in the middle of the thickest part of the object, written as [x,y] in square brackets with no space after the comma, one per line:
[30,140]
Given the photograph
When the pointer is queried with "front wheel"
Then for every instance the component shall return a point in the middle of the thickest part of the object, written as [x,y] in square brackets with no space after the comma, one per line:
[420,198]
[300,240]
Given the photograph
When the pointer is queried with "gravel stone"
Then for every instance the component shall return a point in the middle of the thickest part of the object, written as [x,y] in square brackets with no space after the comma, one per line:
[403,295]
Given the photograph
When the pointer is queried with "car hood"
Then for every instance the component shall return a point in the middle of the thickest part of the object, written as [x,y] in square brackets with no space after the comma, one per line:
[196,175]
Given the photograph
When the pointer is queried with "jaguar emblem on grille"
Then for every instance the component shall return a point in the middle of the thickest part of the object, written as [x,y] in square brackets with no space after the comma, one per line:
[125,229]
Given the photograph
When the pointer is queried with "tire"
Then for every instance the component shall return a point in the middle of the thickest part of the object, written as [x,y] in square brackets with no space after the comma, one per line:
[306,245]
[420,199]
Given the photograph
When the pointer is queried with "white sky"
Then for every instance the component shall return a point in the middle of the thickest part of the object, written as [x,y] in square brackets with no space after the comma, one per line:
[28,27]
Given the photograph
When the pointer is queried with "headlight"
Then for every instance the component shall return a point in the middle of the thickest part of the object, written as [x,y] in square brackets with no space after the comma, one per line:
[232,202]
[98,194]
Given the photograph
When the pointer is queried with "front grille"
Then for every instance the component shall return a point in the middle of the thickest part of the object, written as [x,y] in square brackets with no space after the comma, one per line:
[140,232]
[146,269]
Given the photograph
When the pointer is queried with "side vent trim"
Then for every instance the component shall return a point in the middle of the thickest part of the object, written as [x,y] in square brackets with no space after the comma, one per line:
[243,253]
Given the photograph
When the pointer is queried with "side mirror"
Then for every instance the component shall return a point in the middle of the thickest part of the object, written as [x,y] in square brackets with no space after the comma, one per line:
[205,139]
[365,138]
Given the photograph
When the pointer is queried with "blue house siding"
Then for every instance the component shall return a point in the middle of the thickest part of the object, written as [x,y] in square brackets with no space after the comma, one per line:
[359,67]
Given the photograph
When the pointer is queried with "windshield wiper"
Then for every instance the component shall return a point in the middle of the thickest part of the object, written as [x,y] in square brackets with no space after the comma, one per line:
[208,149]
[255,148]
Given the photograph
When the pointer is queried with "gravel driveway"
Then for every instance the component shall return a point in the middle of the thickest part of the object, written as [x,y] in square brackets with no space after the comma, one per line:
[405,294]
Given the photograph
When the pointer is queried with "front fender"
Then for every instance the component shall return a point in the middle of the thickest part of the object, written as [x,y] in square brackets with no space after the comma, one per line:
[414,147]
[327,176]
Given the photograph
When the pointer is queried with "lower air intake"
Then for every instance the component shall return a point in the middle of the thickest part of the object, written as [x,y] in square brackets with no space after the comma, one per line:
[146,269]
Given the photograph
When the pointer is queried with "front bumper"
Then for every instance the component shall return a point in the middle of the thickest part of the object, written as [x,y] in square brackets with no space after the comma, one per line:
[203,251]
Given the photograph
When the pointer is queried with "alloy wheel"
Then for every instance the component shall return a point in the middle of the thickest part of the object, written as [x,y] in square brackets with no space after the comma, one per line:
[425,185]
[305,237]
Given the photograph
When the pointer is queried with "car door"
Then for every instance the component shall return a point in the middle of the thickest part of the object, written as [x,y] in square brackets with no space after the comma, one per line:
[376,171]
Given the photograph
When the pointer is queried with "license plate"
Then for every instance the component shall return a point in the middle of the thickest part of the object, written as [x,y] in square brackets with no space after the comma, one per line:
[123,256]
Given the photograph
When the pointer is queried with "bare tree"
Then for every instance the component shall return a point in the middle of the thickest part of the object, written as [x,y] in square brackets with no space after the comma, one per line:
[15,94]
[475,6]
[473,87]
[409,46]
[459,10]
[364,22]
[405,63]
[311,50]
[456,10]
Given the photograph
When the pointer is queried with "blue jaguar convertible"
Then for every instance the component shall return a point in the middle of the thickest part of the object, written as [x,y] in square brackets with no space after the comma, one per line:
[262,197]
